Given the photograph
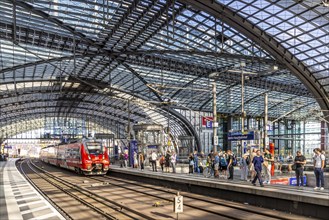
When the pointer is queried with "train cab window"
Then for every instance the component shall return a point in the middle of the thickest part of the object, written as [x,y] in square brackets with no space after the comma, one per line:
[94,148]
[68,153]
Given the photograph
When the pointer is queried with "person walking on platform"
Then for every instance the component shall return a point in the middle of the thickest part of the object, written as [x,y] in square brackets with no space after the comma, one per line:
[196,160]
[252,168]
[154,161]
[244,166]
[212,158]
[125,157]
[268,159]
[223,165]
[121,159]
[216,165]
[141,160]
[173,161]
[167,161]
[162,162]
[191,163]
[207,171]
[319,163]
[300,161]
[257,162]
[230,164]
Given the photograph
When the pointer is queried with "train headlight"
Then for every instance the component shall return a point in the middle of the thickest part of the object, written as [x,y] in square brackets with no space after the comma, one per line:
[103,156]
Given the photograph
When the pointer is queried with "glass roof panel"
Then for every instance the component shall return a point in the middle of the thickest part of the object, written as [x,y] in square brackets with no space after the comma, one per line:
[292,23]
[105,38]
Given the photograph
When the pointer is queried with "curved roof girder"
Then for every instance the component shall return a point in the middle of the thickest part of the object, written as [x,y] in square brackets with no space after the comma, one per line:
[267,42]
[38,115]
[66,100]
[64,112]
[140,53]
[189,127]
[55,114]
[169,64]
[66,107]
[186,125]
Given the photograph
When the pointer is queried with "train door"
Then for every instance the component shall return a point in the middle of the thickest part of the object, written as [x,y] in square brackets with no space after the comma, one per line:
[68,157]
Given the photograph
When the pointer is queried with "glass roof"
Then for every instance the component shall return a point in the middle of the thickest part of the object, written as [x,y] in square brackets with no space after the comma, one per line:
[73,57]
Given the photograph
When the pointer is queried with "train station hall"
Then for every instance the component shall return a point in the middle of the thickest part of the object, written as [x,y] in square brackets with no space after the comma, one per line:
[164,109]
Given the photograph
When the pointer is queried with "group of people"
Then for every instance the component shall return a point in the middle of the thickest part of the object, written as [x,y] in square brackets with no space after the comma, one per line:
[254,164]
[166,161]
[123,158]
[215,164]
[259,162]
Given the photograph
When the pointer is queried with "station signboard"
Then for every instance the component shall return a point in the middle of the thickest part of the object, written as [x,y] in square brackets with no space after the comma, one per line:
[235,136]
[104,136]
[8,147]
[207,121]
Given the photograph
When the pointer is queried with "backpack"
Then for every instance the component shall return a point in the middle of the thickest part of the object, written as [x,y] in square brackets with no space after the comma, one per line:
[248,160]
[234,162]
[216,161]
[223,162]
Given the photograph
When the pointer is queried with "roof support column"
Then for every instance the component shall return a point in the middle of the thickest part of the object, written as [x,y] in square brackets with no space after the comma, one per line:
[14,21]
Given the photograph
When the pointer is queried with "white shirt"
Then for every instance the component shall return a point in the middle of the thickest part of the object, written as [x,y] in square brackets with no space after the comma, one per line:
[318,160]
[154,156]
[173,158]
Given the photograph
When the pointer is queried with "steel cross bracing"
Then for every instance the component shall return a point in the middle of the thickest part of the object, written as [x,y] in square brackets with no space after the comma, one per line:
[119,52]
[18,106]
[162,62]
[268,43]
[10,129]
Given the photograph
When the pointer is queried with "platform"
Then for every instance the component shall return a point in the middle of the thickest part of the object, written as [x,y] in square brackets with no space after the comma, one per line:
[18,199]
[280,197]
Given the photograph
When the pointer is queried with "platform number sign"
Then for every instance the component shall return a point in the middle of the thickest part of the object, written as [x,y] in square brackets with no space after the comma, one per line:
[178,205]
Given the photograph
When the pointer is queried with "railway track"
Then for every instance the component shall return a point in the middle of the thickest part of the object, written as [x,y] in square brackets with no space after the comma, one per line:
[157,200]
[94,201]
[199,202]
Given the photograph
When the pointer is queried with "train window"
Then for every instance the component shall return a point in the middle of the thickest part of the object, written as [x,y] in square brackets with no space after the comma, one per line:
[68,152]
[94,148]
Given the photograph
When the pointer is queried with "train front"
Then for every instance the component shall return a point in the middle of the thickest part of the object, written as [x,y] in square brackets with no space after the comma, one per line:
[95,158]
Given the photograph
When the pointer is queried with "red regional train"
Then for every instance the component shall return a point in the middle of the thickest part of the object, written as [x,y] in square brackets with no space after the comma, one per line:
[84,157]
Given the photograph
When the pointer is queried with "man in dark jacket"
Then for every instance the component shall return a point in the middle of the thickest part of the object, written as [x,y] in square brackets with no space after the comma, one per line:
[300,161]
[257,161]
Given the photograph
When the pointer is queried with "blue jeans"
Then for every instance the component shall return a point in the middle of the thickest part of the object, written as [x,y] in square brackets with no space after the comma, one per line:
[196,168]
[319,177]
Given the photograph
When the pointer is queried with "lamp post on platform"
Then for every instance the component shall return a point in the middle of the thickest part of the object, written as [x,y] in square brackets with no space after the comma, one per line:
[214,124]
[266,141]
